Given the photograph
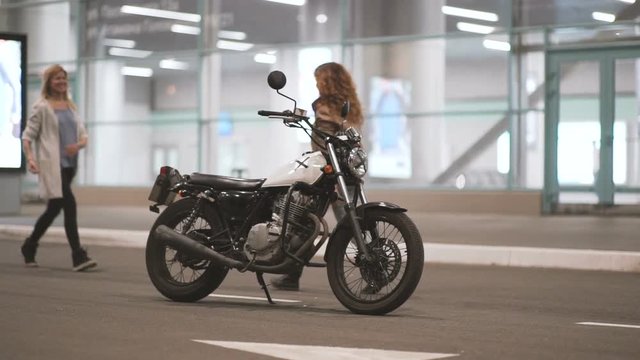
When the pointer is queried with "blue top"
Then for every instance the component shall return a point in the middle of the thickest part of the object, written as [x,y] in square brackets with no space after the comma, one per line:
[68,135]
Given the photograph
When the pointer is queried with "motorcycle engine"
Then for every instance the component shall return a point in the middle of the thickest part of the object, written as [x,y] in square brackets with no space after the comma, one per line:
[262,239]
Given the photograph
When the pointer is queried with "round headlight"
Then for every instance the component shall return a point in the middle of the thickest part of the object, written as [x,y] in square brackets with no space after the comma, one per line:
[357,162]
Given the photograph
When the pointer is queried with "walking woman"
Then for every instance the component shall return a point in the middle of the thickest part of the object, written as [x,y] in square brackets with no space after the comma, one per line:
[335,87]
[58,135]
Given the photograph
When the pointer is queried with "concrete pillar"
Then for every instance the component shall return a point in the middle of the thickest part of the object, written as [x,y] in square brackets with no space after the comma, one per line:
[210,91]
[210,109]
[533,142]
[48,27]
[109,144]
[427,76]
[633,134]
[10,193]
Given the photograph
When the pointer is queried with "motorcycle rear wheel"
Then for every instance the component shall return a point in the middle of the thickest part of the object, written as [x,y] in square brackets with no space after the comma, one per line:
[175,275]
[382,284]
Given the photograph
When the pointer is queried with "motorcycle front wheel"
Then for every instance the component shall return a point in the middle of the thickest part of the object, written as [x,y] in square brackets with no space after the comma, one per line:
[382,283]
[176,275]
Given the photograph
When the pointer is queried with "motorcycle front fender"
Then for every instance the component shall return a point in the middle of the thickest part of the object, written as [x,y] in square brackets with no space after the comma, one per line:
[361,210]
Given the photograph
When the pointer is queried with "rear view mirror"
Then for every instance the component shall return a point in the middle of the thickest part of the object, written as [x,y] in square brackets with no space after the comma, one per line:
[276,80]
[345,109]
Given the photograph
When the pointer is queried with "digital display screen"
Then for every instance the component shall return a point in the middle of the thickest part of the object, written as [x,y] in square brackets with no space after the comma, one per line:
[12,100]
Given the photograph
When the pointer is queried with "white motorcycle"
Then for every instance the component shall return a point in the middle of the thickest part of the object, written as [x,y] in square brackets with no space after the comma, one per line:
[374,256]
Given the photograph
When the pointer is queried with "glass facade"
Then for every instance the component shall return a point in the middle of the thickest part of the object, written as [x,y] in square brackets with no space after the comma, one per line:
[453,89]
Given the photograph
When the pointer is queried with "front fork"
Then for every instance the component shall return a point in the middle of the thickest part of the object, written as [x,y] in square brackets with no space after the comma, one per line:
[349,205]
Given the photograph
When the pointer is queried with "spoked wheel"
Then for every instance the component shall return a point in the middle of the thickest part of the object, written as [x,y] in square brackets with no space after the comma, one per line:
[176,275]
[382,270]
[384,281]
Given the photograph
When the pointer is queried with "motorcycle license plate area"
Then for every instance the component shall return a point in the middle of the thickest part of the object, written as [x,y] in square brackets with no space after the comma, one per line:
[160,192]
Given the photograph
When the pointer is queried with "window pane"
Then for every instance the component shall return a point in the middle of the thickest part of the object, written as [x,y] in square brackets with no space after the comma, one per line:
[539,13]
[476,74]
[133,107]
[626,130]
[268,22]
[378,18]
[123,28]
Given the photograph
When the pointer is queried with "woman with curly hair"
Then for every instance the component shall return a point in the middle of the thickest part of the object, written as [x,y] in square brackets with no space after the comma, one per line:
[335,87]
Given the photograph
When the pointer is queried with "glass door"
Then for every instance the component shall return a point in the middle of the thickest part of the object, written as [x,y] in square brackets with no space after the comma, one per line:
[626,131]
[579,131]
[591,124]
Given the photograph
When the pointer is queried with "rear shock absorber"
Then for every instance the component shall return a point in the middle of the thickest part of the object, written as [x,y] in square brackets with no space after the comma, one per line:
[192,216]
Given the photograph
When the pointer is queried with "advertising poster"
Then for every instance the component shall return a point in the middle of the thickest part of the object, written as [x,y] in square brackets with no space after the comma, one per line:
[390,153]
[11,102]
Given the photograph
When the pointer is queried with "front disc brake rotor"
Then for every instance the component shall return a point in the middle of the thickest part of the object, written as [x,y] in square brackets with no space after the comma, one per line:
[385,265]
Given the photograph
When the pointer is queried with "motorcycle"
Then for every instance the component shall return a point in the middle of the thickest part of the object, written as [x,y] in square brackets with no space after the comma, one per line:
[374,256]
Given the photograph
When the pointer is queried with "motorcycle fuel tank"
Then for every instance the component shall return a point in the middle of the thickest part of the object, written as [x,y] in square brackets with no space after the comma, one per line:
[307,168]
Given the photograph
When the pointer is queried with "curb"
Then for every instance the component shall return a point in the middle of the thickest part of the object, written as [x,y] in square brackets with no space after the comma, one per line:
[88,236]
[436,253]
[574,259]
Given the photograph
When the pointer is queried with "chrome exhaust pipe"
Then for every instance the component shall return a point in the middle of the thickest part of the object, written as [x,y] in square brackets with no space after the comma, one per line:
[193,248]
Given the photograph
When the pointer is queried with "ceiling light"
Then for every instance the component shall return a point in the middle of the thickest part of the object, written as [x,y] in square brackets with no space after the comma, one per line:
[472,14]
[173,64]
[232,35]
[136,71]
[321,18]
[165,14]
[185,29]
[496,45]
[233,45]
[474,28]
[115,51]
[265,58]
[600,16]
[289,2]
[129,44]
[628,1]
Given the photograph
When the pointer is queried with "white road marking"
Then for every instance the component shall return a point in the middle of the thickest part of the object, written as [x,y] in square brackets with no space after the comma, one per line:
[252,298]
[307,352]
[609,325]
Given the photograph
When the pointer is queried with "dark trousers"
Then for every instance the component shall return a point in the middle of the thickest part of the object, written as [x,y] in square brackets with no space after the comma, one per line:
[339,212]
[68,204]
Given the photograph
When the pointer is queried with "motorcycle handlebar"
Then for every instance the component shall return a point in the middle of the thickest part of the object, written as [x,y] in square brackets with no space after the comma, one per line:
[286,115]
[273,113]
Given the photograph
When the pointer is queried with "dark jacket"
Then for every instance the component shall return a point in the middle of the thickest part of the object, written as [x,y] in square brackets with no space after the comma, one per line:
[327,112]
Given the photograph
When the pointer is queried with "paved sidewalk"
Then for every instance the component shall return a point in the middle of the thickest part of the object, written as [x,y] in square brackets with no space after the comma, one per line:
[571,242]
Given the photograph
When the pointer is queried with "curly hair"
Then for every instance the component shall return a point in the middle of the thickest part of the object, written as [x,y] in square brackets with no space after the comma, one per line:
[336,86]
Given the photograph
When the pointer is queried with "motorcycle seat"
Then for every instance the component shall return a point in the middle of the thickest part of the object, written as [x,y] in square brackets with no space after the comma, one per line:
[226,182]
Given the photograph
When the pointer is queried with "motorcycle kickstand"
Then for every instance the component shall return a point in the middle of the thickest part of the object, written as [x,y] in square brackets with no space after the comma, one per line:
[264,287]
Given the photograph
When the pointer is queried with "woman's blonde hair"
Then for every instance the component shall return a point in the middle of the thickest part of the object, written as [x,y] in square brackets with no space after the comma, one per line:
[336,85]
[48,74]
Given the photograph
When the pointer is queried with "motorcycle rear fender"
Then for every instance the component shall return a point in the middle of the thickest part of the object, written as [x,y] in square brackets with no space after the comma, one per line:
[189,187]
[360,212]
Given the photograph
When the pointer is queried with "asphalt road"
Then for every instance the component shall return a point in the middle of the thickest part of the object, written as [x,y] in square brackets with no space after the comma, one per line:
[471,312]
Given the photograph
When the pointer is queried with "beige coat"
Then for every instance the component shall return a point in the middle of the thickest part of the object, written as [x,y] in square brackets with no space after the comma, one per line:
[42,130]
